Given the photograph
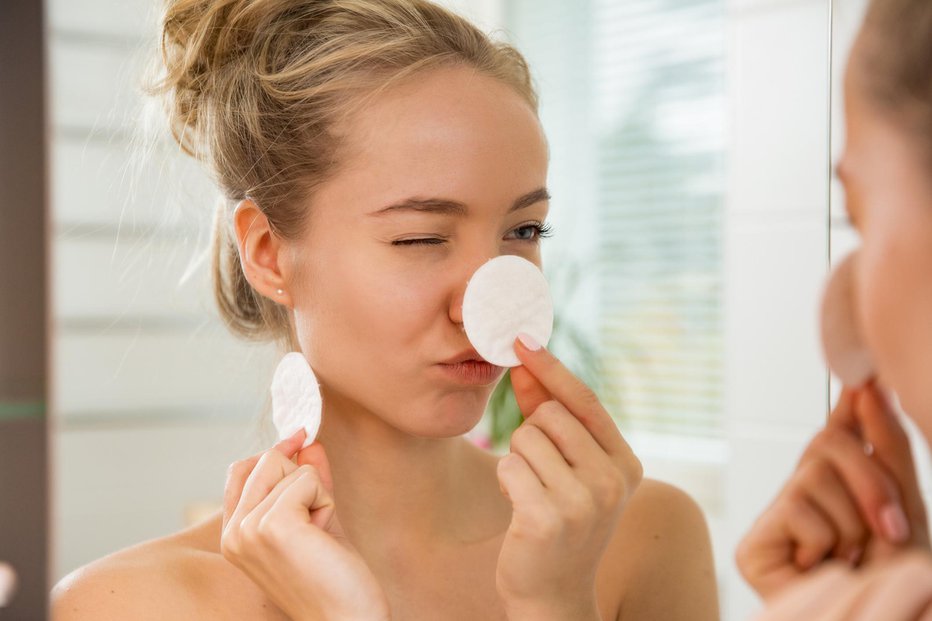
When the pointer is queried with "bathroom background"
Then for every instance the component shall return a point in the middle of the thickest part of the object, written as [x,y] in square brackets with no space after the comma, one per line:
[691,144]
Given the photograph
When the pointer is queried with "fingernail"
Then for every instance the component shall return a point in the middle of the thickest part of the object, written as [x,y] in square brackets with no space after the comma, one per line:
[528,341]
[894,523]
[854,556]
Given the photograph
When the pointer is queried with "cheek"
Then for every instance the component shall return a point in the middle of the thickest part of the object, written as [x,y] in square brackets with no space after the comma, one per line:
[389,299]
[895,305]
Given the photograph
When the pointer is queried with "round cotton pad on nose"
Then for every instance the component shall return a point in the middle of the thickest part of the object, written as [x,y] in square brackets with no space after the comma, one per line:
[842,342]
[505,296]
[296,400]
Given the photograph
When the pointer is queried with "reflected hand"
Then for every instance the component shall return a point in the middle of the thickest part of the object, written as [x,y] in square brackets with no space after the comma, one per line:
[280,528]
[854,497]
[568,476]
[893,590]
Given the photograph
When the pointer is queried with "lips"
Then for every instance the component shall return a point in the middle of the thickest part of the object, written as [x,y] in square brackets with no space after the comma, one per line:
[471,372]
[464,356]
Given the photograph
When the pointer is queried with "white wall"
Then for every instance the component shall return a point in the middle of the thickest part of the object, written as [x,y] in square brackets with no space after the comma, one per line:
[776,253]
[136,443]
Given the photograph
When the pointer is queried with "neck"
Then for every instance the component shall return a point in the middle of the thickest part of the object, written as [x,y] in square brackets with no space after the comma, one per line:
[395,489]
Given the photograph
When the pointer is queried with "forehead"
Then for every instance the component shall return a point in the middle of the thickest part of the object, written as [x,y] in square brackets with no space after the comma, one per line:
[449,131]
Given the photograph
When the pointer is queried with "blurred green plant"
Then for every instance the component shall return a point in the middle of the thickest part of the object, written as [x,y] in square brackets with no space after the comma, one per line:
[569,343]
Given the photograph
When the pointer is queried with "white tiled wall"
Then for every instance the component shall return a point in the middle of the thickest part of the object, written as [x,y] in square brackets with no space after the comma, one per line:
[119,483]
[776,253]
[152,398]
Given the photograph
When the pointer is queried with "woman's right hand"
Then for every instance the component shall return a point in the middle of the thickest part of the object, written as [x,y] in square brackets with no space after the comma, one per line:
[280,528]
[854,497]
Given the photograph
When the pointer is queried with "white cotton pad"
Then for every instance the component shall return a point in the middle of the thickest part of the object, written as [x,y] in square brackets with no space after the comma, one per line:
[505,296]
[842,341]
[296,400]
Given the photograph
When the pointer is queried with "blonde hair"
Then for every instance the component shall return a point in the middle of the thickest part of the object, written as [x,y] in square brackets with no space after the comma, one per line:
[254,89]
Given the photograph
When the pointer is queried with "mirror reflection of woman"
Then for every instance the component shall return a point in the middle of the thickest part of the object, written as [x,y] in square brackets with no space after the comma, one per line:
[848,536]
[374,153]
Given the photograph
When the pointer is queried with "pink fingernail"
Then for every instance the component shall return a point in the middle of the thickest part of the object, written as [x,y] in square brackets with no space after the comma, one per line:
[528,341]
[894,523]
[854,556]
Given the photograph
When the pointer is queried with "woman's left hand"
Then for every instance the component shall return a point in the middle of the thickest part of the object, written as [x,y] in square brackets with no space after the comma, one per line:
[893,589]
[569,475]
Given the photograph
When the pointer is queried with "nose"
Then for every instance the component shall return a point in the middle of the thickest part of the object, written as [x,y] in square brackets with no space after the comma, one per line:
[462,279]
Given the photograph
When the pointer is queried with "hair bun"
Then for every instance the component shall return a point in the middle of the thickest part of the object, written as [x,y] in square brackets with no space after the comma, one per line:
[198,39]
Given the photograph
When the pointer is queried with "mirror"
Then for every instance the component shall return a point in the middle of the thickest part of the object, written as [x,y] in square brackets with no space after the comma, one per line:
[689,170]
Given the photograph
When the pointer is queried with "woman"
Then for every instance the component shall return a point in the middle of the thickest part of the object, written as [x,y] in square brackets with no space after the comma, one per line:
[849,531]
[376,153]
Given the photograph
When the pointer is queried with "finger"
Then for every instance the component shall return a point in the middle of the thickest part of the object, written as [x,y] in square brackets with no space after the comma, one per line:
[273,466]
[872,487]
[529,392]
[824,489]
[240,470]
[572,440]
[843,413]
[307,501]
[290,445]
[543,457]
[811,531]
[305,476]
[315,455]
[256,514]
[518,481]
[578,398]
[884,431]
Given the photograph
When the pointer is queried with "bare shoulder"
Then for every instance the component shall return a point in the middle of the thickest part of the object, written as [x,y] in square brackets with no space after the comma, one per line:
[145,581]
[660,557]
[658,506]
[173,577]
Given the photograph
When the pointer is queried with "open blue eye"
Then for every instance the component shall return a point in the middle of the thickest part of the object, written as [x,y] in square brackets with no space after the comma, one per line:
[540,229]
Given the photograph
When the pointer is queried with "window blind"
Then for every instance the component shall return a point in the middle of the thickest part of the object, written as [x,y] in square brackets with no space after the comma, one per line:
[635,90]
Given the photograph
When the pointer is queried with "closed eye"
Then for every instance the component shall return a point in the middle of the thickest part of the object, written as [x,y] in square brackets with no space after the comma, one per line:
[415,242]
[539,231]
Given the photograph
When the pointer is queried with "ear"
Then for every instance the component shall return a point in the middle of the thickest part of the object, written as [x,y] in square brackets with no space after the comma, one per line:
[259,252]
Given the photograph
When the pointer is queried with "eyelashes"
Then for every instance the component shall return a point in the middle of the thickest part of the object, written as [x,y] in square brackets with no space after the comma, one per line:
[541,231]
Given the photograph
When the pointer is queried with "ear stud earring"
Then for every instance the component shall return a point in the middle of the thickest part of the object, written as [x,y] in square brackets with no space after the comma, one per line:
[279,291]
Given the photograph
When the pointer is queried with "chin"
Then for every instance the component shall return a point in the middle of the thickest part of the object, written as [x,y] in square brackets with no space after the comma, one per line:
[451,417]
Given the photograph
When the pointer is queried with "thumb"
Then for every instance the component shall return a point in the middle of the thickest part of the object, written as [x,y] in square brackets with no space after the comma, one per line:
[315,455]
[529,392]
[326,517]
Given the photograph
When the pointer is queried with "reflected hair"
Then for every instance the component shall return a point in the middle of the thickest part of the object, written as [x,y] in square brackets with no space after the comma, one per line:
[895,63]
[257,90]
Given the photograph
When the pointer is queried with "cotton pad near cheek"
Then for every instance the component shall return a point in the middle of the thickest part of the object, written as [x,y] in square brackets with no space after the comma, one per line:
[296,400]
[505,296]
[842,341]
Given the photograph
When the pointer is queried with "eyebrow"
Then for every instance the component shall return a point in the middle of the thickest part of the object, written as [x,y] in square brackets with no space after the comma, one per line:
[455,208]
